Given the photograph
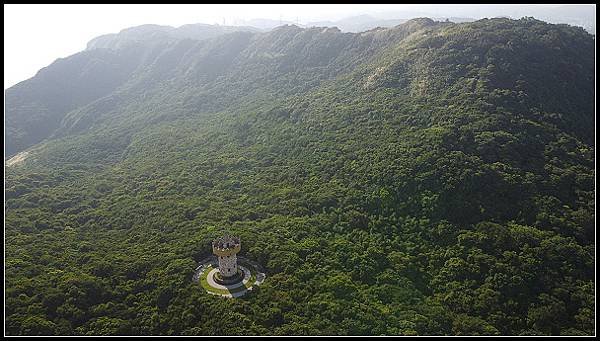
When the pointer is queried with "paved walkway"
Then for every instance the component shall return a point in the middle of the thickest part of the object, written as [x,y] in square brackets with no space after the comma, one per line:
[210,262]
[211,281]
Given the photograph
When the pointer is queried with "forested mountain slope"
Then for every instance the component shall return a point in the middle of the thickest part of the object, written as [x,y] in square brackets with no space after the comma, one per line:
[430,178]
[35,107]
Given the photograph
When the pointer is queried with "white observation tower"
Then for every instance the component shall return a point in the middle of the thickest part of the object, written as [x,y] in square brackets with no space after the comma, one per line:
[226,248]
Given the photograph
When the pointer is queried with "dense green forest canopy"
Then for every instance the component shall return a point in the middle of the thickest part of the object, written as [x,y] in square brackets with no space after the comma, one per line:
[430,178]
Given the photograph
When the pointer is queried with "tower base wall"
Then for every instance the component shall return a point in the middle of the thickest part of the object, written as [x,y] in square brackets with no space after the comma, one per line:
[228,266]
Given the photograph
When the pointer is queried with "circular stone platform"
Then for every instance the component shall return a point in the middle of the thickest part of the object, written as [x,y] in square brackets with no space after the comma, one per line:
[238,277]
[205,275]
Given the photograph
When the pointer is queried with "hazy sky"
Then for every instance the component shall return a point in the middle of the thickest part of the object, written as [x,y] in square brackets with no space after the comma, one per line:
[36,35]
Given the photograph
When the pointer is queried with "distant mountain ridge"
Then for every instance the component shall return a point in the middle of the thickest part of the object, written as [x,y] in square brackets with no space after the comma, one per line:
[158,33]
[141,51]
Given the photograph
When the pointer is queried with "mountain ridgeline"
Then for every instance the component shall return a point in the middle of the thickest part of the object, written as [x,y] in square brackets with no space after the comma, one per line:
[430,178]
